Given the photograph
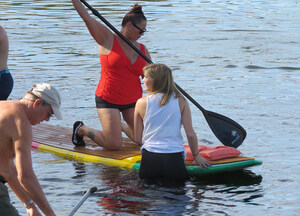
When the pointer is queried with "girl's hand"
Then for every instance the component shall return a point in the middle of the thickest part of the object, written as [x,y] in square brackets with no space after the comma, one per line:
[202,161]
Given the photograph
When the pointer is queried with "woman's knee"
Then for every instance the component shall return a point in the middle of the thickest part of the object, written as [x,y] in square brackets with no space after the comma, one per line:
[113,145]
[112,141]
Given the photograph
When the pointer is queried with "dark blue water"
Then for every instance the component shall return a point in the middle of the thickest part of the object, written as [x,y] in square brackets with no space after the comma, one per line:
[237,58]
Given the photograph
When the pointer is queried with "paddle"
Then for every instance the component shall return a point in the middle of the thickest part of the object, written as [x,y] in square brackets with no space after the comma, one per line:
[229,132]
[86,195]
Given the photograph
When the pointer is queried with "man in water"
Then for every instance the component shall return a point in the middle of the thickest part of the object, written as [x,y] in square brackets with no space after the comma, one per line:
[16,120]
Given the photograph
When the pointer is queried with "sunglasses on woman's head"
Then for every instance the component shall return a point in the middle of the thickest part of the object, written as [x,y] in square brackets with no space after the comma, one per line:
[142,31]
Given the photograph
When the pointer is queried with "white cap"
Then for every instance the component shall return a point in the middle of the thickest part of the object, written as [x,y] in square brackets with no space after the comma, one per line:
[50,95]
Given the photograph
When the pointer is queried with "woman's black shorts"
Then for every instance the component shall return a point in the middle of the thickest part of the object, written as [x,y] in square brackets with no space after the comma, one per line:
[100,103]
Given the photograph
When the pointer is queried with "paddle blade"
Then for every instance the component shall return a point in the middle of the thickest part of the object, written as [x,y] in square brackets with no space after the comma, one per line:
[226,130]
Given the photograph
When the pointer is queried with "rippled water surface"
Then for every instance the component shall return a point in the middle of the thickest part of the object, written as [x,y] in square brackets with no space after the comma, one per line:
[237,58]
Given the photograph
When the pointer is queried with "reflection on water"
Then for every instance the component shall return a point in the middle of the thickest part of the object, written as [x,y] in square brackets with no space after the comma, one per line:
[121,192]
[231,178]
[240,59]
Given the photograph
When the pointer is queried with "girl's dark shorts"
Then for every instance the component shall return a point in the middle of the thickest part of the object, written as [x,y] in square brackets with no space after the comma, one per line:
[100,103]
[163,165]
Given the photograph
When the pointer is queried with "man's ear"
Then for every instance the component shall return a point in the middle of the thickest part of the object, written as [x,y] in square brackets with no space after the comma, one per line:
[37,103]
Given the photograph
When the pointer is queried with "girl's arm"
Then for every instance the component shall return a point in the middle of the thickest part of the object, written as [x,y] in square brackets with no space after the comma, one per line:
[190,133]
[139,113]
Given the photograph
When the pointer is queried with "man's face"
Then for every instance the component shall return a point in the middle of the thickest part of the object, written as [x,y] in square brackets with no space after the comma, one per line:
[42,112]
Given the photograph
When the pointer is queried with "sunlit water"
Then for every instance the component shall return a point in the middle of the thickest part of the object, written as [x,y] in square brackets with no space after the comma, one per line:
[237,58]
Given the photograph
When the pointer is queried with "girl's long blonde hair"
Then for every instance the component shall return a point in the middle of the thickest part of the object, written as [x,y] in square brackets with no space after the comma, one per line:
[163,81]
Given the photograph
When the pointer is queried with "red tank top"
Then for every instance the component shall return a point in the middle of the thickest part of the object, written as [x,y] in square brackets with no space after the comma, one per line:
[120,80]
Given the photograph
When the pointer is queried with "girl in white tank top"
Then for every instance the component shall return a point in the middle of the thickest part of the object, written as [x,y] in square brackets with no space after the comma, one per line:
[162,125]
[157,127]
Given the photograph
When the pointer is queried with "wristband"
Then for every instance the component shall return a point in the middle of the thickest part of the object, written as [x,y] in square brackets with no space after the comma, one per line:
[27,203]
[195,154]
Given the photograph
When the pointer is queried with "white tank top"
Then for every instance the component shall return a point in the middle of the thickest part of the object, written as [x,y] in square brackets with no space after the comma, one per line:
[162,126]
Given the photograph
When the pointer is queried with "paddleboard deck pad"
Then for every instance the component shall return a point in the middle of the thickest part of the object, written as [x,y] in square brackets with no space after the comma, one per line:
[57,140]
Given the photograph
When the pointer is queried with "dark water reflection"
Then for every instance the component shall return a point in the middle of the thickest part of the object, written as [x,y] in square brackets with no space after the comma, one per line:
[121,192]
[237,58]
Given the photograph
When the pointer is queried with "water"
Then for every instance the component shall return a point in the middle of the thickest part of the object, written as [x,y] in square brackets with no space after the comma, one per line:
[237,58]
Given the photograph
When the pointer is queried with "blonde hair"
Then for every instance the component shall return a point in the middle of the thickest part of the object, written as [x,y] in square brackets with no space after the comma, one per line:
[163,81]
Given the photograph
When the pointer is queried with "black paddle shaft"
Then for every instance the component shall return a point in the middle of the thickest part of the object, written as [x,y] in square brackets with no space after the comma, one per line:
[229,132]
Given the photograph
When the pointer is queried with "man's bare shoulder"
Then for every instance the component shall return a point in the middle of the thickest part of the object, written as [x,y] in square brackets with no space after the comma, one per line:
[10,107]
[12,116]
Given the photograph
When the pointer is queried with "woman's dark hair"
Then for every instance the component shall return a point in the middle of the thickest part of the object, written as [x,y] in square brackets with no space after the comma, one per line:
[135,15]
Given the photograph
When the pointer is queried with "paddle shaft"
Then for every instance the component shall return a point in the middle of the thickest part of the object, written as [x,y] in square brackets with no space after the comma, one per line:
[86,195]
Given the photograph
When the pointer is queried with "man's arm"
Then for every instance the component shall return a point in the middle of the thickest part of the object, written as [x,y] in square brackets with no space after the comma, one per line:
[26,176]
[17,188]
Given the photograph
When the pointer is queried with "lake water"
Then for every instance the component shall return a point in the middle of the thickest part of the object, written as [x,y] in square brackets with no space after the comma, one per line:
[237,58]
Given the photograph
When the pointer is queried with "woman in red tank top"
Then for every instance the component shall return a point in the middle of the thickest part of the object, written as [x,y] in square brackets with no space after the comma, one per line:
[119,87]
